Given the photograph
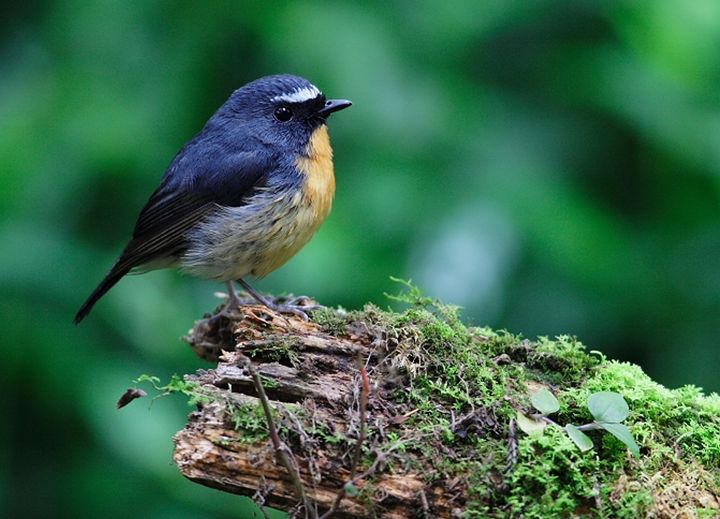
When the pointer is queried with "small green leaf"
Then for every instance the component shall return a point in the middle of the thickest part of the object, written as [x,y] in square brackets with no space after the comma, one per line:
[582,440]
[147,378]
[622,433]
[530,426]
[545,402]
[608,406]
[351,490]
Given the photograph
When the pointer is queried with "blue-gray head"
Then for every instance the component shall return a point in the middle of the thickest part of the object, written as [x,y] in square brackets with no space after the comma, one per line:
[280,110]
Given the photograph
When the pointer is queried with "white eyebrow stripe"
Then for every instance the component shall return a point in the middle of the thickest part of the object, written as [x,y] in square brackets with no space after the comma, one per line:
[299,95]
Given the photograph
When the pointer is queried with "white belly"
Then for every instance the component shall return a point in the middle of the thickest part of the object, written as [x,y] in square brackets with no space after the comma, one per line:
[252,240]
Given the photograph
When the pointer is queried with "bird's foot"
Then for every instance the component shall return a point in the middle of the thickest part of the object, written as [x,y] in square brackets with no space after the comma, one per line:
[296,306]
[305,303]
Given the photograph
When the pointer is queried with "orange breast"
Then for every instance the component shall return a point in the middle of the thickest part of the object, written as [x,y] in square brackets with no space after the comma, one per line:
[317,167]
[297,219]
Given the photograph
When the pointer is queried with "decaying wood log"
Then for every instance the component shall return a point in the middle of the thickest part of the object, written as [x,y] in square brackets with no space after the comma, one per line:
[435,434]
[312,378]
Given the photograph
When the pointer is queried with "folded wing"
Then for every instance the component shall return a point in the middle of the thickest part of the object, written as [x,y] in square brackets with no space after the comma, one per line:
[194,185]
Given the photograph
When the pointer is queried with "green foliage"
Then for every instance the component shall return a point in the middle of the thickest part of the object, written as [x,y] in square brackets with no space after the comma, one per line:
[607,406]
[545,402]
[530,426]
[582,440]
[622,433]
[249,421]
[410,294]
[460,376]
[608,409]
[176,384]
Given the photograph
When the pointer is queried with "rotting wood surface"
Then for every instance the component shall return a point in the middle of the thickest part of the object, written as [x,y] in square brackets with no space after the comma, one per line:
[312,380]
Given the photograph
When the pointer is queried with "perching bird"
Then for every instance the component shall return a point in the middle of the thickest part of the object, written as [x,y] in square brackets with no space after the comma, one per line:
[244,195]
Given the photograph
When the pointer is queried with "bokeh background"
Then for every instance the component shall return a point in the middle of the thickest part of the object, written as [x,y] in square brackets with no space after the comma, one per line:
[553,167]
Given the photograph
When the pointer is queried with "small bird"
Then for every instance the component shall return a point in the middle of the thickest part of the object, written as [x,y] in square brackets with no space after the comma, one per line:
[243,196]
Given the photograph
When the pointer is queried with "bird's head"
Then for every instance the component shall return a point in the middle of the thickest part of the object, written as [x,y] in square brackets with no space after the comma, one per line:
[282,111]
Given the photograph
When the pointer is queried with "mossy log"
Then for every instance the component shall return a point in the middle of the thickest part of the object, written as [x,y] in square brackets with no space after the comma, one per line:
[440,427]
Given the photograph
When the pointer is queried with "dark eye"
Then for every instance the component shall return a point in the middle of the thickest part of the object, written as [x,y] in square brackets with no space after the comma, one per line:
[283,114]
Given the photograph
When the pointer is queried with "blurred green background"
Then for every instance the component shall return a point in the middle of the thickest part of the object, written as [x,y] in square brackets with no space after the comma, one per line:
[553,167]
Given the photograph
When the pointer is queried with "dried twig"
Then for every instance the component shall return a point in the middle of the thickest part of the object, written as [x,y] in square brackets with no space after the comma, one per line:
[362,408]
[596,493]
[307,445]
[425,506]
[129,395]
[512,448]
[364,394]
[283,453]
[260,497]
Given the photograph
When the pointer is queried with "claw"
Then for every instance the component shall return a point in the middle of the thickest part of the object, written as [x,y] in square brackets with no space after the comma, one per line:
[288,309]
[304,303]
[291,307]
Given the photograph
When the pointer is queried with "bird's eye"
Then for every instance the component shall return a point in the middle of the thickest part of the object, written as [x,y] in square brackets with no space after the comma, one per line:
[283,114]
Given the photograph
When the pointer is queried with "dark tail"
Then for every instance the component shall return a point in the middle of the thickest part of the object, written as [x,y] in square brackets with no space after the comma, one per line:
[106,284]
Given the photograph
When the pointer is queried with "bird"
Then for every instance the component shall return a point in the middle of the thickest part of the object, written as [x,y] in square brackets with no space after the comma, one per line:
[241,197]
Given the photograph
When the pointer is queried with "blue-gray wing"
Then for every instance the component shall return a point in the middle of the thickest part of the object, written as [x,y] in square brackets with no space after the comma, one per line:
[198,180]
[186,196]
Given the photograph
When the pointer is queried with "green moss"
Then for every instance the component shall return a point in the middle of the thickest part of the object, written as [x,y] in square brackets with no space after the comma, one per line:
[249,421]
[330,320]
[674,428]
[546,486]
[455,372]
[277,351]
[268,383]
[194,391]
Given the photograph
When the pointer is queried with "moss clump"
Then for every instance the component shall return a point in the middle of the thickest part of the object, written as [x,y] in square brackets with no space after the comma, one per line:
[463,386]
[277,351]
[249,422]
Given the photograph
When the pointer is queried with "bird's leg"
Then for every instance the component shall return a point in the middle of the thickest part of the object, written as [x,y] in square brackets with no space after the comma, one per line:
[233,301]
[288,308]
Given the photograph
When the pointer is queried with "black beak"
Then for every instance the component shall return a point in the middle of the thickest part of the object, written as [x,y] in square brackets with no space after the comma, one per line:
[333,105]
